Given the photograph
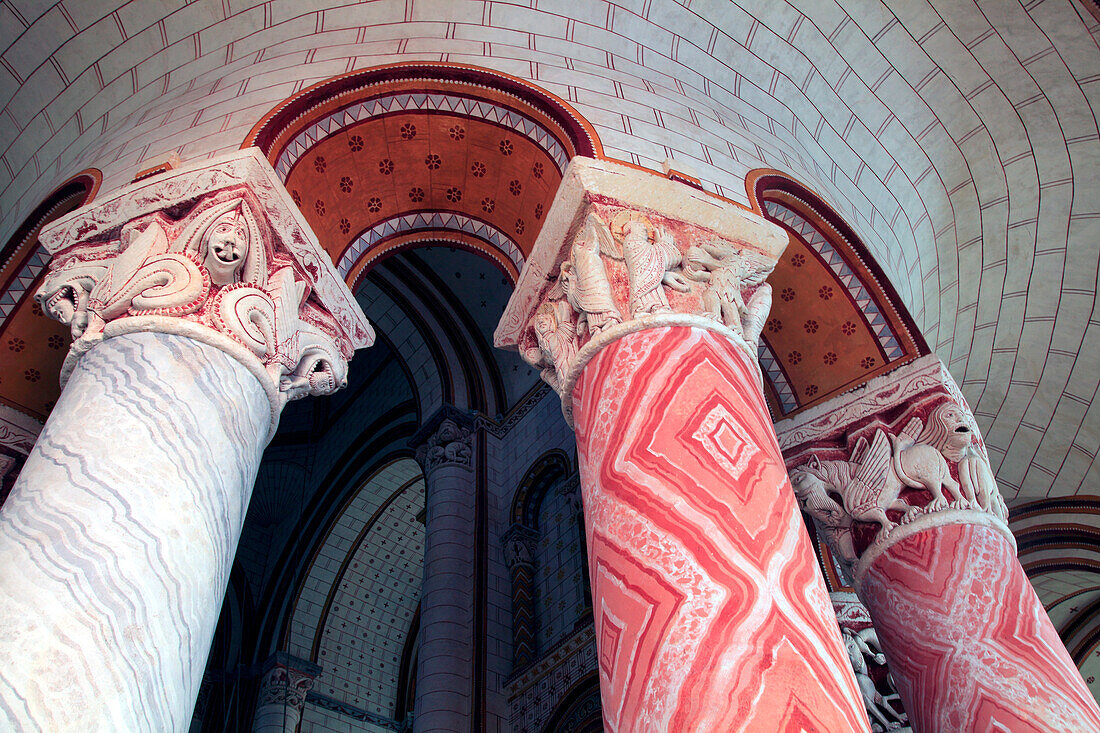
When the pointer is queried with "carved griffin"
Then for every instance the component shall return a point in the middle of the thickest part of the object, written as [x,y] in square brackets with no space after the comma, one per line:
[729,273]
[872,481]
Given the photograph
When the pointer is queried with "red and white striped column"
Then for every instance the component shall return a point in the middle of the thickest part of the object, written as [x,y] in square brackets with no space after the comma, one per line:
[969,645]
[710,613]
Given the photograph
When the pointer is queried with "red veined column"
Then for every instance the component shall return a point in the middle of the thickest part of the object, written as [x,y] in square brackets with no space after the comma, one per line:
[710,613]
[969,645]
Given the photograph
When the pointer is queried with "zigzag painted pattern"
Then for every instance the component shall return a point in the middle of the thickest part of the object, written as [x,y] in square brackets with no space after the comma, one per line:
[970,646]
[710,613]
[524,617]
[119,535]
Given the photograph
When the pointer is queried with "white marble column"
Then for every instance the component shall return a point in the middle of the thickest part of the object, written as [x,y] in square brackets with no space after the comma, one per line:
[190,333]
[445,671]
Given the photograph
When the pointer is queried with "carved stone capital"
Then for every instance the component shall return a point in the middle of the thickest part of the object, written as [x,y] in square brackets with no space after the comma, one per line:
[286,681]
[216,252]
[452,443]
[623,250]
[520,546]
[892,458]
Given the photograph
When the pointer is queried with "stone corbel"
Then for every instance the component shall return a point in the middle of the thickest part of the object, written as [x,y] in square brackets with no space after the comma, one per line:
[217,252]
[624,250]
[899,455]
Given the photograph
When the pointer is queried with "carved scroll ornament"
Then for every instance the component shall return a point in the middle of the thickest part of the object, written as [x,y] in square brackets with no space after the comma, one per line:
[625,261]
[934,466]
[219,266]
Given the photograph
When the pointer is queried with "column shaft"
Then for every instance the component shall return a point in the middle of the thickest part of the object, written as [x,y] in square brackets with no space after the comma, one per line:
[445,669]
[969,644]
[119,535]
[896,476]
[710,613]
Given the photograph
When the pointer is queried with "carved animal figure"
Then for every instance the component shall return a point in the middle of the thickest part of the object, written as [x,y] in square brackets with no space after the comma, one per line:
[831,517]
[66,290]
[872,481]
[878,705]
[951,430]
[583,278]
[729,272]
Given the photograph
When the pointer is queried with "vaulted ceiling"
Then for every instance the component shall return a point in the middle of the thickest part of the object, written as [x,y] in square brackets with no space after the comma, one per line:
[951,136]
[960,140]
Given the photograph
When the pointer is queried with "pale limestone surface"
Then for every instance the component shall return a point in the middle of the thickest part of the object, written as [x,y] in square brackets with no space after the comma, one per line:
[119,536]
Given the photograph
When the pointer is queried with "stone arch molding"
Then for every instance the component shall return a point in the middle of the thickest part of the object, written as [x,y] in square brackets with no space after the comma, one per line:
[401,155]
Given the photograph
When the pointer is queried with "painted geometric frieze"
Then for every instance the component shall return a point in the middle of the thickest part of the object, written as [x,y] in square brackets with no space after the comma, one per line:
[885,333]
[213,249]
[383,158]
[539,688]
[508,119]
[902,454]
[836,321]
[520,552]
[624,250]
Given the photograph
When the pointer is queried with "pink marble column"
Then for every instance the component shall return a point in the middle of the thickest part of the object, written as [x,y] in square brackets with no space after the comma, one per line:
[896,476]
[710,614]
[970,646]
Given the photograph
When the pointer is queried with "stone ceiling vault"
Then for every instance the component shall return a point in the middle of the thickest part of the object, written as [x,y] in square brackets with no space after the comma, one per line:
[959,139]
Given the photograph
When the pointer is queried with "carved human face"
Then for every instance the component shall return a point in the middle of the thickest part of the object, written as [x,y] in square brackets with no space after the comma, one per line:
[960,432]
[226,248]
[543,323]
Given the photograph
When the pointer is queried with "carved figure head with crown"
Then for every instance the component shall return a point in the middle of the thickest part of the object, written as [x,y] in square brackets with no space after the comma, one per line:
[224,246]
[229,242]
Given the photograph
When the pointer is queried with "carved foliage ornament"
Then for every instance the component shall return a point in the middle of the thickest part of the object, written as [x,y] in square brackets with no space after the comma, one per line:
[935,464]
[218,266]
[623,264]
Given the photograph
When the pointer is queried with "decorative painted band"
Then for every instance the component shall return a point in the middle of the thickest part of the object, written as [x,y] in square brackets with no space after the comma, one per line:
[430,102]
[428,221]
